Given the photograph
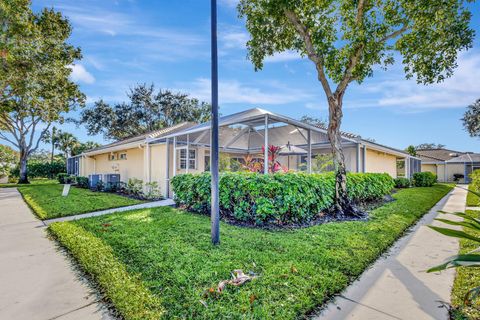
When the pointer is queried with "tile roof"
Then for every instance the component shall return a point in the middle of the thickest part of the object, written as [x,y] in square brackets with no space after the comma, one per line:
[467,157]
[435,155]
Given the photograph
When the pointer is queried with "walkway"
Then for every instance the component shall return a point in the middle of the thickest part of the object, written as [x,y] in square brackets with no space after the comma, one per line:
[36,282]
[397,286]
[153,204]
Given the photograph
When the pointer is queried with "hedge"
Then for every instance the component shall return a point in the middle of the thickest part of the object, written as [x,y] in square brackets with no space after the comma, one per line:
[424,179]
[279,198]
[38,169]
[402,183]
[127,292]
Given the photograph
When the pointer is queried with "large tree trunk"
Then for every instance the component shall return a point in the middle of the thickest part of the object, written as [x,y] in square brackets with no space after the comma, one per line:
[23,167]
[343,206]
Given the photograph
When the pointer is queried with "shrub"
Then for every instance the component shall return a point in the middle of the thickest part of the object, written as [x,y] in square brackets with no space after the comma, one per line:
[134,187]
[279,198]
[61,177]
[82,182]
[475,176]
[40,169]
[152,191]
[402,183]
[424,179]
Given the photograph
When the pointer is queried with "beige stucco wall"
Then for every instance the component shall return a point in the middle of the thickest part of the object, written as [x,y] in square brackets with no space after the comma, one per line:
[453,168]
[381,162]
[438,169]
[429,168]
[132,167]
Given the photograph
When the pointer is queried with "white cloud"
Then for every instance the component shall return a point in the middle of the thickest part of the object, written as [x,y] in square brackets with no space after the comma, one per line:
[232,91]
[80,74]
[234,39]
[456,92]
[283,56]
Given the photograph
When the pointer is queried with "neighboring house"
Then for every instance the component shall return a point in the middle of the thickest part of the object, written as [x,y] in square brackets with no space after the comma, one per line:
[447,164]
[149,157]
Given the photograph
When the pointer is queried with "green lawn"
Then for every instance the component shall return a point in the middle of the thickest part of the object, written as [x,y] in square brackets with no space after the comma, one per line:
[47,202]
[171,263]
[472,199]
[466,279]
[32,182]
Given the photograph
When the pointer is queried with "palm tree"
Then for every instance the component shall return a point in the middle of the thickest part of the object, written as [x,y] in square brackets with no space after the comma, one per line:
[51,138]
[66,142]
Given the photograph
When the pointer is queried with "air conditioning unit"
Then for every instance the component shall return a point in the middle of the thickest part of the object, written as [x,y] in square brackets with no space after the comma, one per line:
[111,180]
[93,180]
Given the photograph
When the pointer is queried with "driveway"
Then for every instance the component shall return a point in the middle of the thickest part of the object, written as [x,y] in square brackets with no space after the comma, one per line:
[37,281]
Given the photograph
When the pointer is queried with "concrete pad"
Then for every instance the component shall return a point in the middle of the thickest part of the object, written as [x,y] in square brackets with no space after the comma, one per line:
[37,280]
[397,286]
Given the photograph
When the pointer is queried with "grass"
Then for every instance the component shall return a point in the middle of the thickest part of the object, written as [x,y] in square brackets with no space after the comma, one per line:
[472,199]
[466,279]
[32,182]
[298,271]
[47,202]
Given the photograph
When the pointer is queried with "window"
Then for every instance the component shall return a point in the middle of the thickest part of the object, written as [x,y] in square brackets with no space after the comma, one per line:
[111,157]
[192,159]
[123,156]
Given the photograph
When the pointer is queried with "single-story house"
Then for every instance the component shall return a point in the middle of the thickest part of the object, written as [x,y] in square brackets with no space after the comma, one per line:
[448,164]
[159,155]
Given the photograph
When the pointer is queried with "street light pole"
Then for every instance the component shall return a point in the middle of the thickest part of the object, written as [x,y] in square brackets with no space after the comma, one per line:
[215,210]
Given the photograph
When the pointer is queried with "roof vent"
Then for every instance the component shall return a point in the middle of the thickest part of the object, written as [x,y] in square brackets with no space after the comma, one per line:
[453,154]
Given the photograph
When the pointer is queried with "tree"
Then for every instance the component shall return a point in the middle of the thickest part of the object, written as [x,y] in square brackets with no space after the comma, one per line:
[146,111]
[8,158]
[82,147]
[424,146]
[471,119]
[317,122]
[411,150]
[35,89]
[52,139]
[67,142]
[345,40]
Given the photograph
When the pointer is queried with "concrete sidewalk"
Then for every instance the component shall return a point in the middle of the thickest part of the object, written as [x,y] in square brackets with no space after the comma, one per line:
[153,204]
[397,286]
[36,280]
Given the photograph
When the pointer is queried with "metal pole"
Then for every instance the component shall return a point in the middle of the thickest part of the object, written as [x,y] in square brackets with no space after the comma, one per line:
[188,154]
[309,156]
[215,207]
[265,152]
[167,173]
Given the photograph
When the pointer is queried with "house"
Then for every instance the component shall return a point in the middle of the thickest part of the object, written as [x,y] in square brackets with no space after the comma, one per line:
[150,157]
[449,165]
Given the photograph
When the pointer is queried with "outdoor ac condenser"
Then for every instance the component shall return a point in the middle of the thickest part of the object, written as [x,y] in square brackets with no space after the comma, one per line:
[94,179]
[111,179]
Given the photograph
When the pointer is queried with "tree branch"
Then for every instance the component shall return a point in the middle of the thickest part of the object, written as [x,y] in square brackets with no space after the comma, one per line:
[394,34]
[312,55]
[355,57]
[2,136]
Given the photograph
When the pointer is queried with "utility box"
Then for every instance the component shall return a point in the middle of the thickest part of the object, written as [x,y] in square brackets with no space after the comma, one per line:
[111,180]
[93,180]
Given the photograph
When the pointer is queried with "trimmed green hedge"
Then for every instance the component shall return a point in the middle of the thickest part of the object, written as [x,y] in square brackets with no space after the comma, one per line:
[424,179]
[402,183]
[279,198]
[132,300]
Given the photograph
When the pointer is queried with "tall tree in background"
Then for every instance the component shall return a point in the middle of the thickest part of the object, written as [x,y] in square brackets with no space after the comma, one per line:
[471,119]
[146,111]
[313,121]
[51,137]
[8,159]
[345,40]
[82,147]
[34,80]
[411,150]
[424,146]
[67,142]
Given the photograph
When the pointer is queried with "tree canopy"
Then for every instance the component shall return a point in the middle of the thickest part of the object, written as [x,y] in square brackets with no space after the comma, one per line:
[424,146]
[346,40]
[147,110]
[35,89]
[471,119]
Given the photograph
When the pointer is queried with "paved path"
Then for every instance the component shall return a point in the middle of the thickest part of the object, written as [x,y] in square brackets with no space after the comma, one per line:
[153,204]
[397,287]
[37,282]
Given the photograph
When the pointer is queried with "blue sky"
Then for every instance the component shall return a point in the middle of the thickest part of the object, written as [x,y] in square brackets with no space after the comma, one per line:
[167,43]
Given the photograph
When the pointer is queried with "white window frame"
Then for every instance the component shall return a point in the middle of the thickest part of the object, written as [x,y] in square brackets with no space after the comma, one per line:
[192,159]
[121,154]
